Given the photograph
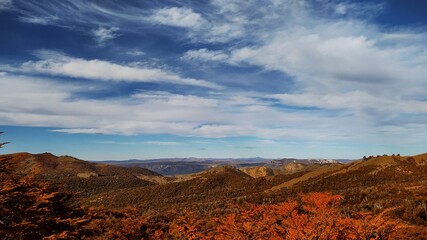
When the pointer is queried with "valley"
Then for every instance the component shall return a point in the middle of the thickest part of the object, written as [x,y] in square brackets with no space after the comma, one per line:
[177,166]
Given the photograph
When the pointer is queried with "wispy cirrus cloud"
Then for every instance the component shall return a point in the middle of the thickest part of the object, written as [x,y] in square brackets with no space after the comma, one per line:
[58,64]
[5,5]
[131,16]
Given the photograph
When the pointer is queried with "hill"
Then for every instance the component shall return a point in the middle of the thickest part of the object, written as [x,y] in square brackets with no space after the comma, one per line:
[375,184]
[378,183]
[392,188]
[257,172]
[76,175]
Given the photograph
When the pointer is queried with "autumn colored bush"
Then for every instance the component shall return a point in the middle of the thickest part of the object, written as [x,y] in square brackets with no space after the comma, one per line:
[32,210]
[37,211]
[310,216]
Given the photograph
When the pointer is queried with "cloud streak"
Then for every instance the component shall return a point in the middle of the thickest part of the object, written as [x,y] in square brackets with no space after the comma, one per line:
[5,5]
[204,54]
[42,102]
[57,64]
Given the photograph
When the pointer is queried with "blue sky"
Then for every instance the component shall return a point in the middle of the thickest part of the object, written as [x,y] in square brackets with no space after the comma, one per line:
[219,78]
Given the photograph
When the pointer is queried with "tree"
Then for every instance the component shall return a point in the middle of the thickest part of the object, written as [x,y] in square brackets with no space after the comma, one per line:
[3,143]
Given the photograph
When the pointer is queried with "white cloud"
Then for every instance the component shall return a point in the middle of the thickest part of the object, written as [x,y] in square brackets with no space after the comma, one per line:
[205,28]
[204,54]
[356,102]
[333,57]
[39,102]
[176,100]
[223,32]
[266,141]
[80,130]
[177,17]
[103,34]
[42,102]
[58,64]
[218,131]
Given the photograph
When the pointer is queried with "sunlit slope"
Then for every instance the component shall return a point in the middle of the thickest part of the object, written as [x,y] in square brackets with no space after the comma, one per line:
[77,175]
[373,170]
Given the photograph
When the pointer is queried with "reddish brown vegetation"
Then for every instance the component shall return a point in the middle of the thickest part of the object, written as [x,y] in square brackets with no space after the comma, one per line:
[34,211]
[311,216]
[223,204]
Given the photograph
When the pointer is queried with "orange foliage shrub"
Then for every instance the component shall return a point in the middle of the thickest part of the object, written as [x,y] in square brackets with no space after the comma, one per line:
[31,210]
[36,211]
[311,216]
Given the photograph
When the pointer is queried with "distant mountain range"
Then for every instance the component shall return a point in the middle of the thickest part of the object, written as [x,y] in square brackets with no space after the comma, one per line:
[176,166]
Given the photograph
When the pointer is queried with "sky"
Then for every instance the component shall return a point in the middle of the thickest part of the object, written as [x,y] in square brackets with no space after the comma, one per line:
[112,80]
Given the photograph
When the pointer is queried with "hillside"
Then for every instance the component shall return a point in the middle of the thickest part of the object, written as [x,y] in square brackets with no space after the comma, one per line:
[393,187]
[388,181]
[107,184]
[76,175]
[257,172]
[374,171]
